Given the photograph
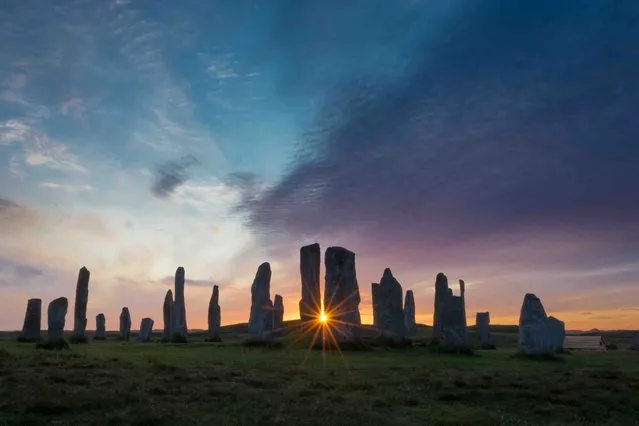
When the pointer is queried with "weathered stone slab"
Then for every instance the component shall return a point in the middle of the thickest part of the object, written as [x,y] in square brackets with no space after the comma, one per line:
[31,328]
[450,326]
[635,345]
[278,313]
[167,316]
[390,310]
[374,294]
[215,315]
[125,324]
[56,318]
[261,316]
[409,312]
[146,329]
[180,329]
[100,327]
[538,334]
[482,324]
[341,293]
[310,304]
[80,306]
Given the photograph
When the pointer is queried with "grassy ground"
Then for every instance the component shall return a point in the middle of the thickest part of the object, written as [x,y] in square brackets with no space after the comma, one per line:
[111,382]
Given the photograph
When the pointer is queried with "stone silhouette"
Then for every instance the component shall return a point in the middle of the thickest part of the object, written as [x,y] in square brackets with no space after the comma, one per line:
[538,334]
[341,293]
[167,311]
[635,345]
[374,292]
[261,316]
[390,311]
[215,315]
[80,306]
[310,305]
[449,323]
[146,329]
[100,327]
[278,313]
[56,318]
[32,325]
[179,308]
[125,324]
[482,324]
[409,312]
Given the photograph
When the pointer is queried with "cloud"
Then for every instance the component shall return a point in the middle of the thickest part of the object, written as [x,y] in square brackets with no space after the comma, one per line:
[67,188]
[74,107]
[170,175]
[507,121]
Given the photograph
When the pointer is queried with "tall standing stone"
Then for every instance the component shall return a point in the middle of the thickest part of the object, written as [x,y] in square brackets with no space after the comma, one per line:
[167,314]
[389,302]
[374,292]
[100,327]
[32,321]
[261,316]
[449,323]
[482,324]
[341,293]
[56,318]
[278,313]
[80,308]
[635,345]
[310,304]
[146,329]
[179,308]
[538,334]
[215,315]
[125,324]
[409,312]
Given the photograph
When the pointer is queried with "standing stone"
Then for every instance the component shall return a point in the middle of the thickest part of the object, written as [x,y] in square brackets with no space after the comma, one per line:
[374,293]
[538,334]
[125,324]
[146,329]
[389,302]
[449,322]
[409,312]
[32,321]
[215,315]
[310,305]
[100,327]
[261,316]
[56,318]
[80,308]
[635,345]
[278,313]
[341,293]
[167,311]
[482,324]
[179,308]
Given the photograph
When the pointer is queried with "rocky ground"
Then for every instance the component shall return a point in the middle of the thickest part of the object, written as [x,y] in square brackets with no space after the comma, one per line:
[112,382]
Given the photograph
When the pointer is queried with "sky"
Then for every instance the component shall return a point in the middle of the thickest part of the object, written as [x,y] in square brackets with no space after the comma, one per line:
[494,141]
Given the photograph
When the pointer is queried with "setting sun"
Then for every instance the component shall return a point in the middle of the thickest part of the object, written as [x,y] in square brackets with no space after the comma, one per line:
[323,318]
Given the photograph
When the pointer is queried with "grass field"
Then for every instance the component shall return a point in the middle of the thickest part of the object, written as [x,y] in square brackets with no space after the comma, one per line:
[112,382]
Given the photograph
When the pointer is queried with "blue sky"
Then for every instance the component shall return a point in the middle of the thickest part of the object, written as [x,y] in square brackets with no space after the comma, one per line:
[495,142]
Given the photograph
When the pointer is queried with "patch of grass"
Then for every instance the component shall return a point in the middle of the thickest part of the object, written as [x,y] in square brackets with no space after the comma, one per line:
[114,383]
[267,344]
[99,338]
[487,347]
[23,339]
[452,350]
[216,339]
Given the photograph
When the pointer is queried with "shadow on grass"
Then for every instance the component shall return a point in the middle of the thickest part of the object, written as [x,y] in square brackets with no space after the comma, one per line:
[266,344]
[56,345]
[79,339]
[351,346]
[538,357]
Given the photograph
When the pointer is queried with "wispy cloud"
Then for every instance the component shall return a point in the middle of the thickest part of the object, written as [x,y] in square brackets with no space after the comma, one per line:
[74,107]
[66,187]
[170,175]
